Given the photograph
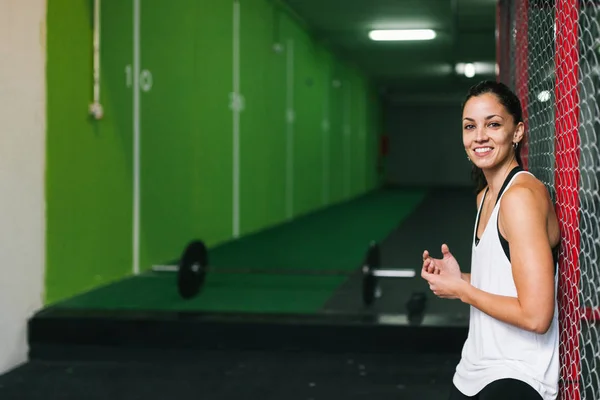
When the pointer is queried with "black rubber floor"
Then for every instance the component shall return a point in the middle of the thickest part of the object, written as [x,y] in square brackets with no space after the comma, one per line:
[239,375]
[445,216]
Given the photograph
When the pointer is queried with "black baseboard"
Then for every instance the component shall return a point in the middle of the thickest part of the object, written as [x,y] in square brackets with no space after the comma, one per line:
[87,334]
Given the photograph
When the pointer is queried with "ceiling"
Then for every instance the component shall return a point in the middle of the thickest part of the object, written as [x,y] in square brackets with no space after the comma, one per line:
[408,70]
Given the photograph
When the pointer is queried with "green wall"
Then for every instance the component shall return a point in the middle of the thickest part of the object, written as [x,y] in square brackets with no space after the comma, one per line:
[88,171]
[186,132]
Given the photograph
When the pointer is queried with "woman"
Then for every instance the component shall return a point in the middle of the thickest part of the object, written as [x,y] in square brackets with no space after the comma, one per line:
[511,351]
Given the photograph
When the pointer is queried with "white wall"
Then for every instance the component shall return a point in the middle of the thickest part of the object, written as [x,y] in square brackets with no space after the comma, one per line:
[22,161]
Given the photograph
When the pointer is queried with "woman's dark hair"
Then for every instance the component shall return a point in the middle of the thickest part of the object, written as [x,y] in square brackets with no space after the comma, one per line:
[511,102]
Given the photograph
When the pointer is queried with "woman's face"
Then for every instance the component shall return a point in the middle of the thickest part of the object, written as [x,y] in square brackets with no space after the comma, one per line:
[489,131]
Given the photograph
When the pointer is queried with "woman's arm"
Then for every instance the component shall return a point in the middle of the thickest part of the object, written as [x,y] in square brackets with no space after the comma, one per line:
[523,218]
[510,310]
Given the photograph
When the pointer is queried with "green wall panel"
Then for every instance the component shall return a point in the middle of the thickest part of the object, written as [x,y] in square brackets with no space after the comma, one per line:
[262,133]
[359,149]
[274,80]
[213,83]
[88,173]
[337,141]
[323,81]
[168,128]
[374,165]
[308,134]
[186,125]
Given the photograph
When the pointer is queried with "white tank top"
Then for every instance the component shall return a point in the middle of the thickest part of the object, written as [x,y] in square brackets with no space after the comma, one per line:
[494,349]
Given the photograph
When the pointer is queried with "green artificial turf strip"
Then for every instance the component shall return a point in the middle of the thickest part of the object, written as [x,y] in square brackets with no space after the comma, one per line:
[225,293]
[334,238]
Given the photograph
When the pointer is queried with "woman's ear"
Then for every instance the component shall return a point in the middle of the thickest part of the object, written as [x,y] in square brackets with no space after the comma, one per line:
[519,132]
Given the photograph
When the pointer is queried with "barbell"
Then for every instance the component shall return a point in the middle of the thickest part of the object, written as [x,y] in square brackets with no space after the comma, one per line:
[194,265]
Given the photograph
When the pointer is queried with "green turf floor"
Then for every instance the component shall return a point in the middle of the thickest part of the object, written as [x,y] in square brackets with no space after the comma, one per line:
[333,238]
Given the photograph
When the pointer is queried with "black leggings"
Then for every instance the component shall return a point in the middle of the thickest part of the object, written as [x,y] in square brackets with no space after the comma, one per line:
[502,389]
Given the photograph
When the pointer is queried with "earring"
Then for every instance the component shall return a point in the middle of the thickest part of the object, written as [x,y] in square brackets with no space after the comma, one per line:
[515,144]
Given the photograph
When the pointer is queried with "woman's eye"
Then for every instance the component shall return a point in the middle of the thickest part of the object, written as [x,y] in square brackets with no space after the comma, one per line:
[468,127]
[494,124]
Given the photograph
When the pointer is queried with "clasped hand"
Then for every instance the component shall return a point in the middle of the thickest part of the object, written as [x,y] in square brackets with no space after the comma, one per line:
[443,274]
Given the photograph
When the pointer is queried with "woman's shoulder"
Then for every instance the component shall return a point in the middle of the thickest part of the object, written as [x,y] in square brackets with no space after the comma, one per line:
[526,190]
[528,199]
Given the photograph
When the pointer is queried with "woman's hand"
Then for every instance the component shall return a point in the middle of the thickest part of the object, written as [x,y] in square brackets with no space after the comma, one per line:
[443,275]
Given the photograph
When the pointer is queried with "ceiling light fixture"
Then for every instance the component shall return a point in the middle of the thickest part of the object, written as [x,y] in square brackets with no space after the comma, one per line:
[477,68]
[469,70]
[402,34]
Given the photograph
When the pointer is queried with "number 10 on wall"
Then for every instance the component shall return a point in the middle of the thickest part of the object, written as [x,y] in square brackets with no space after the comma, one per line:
[145,78]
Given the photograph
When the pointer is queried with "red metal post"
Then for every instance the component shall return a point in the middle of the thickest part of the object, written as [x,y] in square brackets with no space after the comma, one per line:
[567,151]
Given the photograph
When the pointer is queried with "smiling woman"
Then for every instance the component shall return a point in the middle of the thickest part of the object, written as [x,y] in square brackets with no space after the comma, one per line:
[512,346]
[498,106]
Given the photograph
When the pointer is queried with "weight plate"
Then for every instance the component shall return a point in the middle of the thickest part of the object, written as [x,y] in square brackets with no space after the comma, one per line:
[369,285]
[374,256]
[192,269]
[415,307]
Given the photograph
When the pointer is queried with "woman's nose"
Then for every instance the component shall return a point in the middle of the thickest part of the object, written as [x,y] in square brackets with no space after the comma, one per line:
[480,134]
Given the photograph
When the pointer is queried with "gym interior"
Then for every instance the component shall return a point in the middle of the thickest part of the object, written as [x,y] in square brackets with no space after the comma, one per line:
[231,199]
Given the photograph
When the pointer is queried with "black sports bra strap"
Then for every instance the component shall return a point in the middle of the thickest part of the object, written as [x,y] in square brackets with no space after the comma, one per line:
[512,173]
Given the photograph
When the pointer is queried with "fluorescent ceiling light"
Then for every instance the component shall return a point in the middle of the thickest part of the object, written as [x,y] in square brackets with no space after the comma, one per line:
[402,34]
[476,68]
[469,70]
